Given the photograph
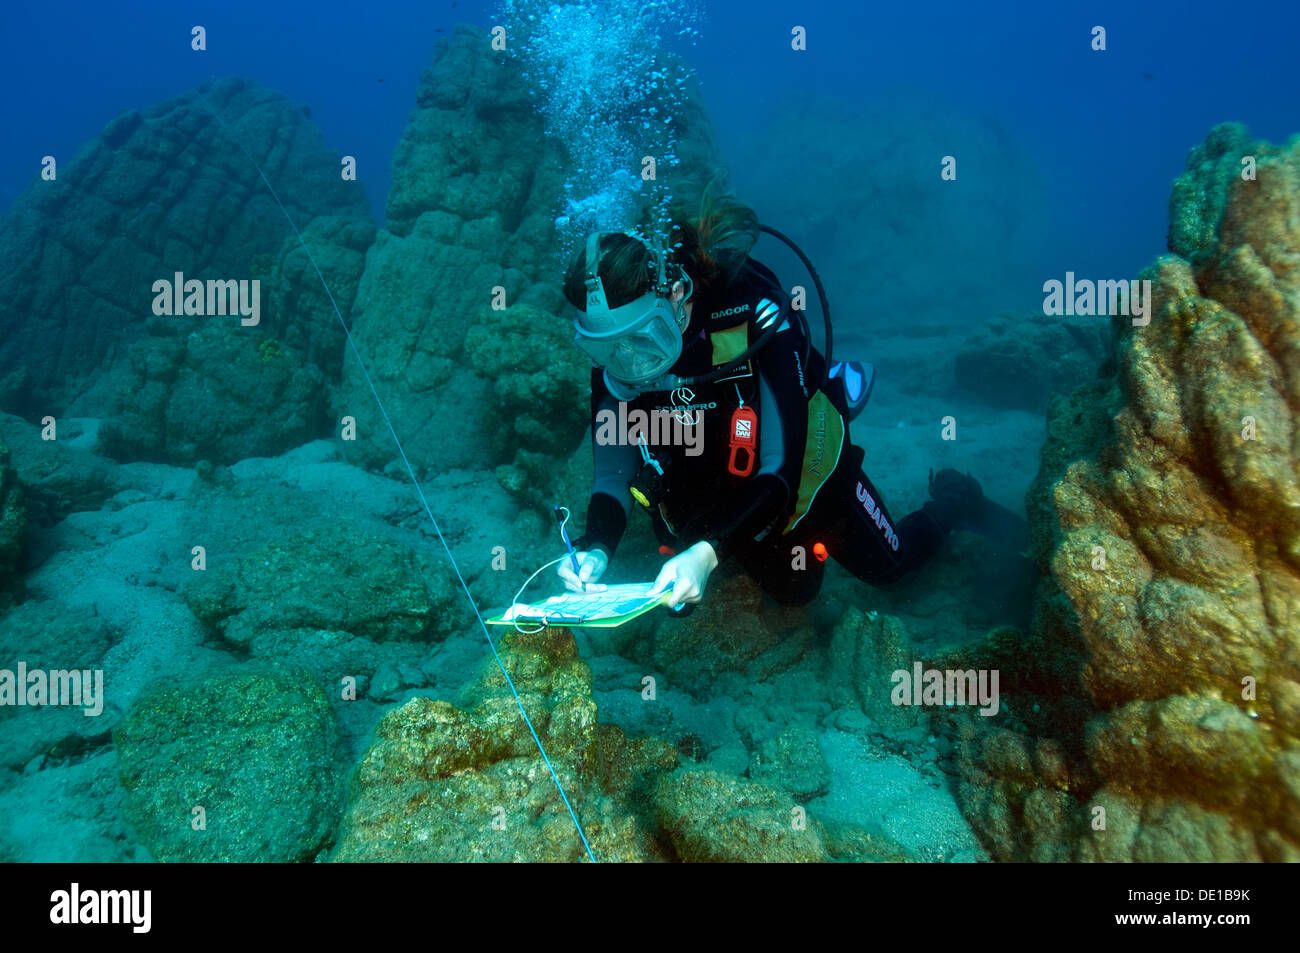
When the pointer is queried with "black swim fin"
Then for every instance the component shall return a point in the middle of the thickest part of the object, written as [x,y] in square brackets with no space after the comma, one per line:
[961,504]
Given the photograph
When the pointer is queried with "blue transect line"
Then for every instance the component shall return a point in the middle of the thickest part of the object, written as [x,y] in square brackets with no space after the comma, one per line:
[416,483]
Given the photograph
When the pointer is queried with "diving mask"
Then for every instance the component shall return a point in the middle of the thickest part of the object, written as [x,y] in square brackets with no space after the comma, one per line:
[636,343]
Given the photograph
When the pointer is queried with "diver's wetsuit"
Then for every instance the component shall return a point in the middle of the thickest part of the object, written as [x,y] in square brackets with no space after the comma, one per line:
[747,516]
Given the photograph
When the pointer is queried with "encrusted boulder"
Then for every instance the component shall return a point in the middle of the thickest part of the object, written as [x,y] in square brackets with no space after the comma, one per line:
[375,588]
[866,649]
[60,476]
[539,379]
[793,761]
[455,783]
[718,818]
[238,766]
[713,817]
[52,637]
[1165,677]
[732,631]
[220,393]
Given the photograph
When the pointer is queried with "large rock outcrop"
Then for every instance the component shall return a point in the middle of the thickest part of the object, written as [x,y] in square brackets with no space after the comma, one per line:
[460,318]
[468,212]
[223,392]
[214,394]
[736,632]
[163,190]
[1156,714]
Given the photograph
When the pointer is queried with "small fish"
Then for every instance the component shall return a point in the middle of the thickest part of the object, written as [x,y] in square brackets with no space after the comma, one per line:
[306,111]
[1146,75]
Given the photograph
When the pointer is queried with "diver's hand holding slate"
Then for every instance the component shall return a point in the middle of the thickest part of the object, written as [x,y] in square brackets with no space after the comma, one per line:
[687,573]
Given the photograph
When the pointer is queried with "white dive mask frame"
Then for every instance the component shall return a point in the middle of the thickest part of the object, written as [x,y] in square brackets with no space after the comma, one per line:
[645,335]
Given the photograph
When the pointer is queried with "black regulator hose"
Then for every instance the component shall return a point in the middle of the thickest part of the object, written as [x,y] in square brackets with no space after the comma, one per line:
[821,293]
[771,332]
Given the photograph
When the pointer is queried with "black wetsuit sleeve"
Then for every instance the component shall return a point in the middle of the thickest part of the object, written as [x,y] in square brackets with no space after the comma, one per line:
[615,466]
[783,430]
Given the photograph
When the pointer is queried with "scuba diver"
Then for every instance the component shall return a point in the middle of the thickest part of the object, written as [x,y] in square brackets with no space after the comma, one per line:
[705,336]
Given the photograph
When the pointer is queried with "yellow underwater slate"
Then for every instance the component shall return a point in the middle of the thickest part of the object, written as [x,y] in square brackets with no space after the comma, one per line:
[607,609]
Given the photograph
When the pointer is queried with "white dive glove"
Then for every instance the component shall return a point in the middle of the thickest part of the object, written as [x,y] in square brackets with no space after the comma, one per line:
[687,573]
[591,566]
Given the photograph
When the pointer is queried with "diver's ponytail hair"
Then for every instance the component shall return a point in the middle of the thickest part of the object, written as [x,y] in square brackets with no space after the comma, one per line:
[713,232]
[710,239]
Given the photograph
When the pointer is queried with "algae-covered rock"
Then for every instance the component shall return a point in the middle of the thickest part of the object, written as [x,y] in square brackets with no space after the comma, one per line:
[733,630]
[539,379]
[299,315]
[1199,195]
[55,637]
[256,751]
[866,649]
[375,588]
[221,393]
[1167,512]
[793,761]
[460,152]
[449,783]
[13,521]
[1159,830]
[213,389]
[469,224]
[713,817]
[60,476]
[161,190]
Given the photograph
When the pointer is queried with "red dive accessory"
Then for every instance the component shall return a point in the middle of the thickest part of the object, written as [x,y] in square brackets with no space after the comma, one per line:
[744,438]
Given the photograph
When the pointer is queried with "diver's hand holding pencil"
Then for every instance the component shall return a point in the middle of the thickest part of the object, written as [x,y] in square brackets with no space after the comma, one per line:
[582,578]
